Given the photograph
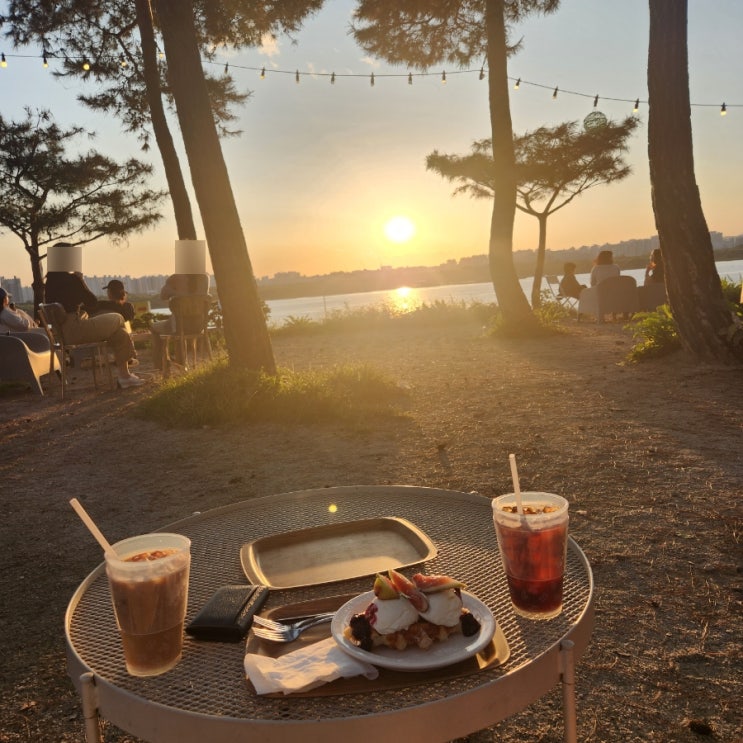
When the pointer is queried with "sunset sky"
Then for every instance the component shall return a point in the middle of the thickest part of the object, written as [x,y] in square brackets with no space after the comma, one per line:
[320,170]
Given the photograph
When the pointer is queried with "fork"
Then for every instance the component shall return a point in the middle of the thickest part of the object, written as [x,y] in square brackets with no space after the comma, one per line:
[287,632]
[279,625]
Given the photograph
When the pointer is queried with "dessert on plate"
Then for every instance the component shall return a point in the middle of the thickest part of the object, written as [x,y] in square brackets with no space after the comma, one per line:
[411,613]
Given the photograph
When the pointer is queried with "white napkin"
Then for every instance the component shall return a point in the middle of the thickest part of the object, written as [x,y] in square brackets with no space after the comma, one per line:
[304,669]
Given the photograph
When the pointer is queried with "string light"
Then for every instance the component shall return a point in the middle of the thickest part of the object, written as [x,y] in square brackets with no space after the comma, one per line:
[443,78]
[3,61]
[554,94]
[636,107]
[124,63]
[371,80]
[226,68]
[332,79]
[723,110]
[482,73]
[596,101]
[517,84]
[410,78]
[44,61]
[263,73]
[86,64]
[296,76]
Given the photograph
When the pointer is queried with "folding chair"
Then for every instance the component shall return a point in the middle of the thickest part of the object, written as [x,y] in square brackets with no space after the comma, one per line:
[191,314]
[53,318]
[553,285]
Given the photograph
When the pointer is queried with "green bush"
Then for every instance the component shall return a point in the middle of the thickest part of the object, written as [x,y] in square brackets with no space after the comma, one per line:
[218,394]
[655,333]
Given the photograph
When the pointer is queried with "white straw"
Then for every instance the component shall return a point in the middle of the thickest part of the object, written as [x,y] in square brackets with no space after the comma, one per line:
[94,530]
[516,488]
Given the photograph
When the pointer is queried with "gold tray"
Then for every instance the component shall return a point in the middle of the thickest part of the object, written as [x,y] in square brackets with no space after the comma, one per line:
[324,554]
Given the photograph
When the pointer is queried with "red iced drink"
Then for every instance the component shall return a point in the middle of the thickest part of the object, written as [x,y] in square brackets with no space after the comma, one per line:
[149,590]
[532,547]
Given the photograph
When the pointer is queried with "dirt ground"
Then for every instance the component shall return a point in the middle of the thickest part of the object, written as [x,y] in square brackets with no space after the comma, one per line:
[649,457]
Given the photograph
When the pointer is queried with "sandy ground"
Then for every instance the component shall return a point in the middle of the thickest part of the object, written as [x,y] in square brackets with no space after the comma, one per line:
[649,456]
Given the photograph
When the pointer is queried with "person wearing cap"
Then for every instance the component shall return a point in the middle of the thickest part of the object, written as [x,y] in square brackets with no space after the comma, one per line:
[12,319]
[69,289]
[116,301]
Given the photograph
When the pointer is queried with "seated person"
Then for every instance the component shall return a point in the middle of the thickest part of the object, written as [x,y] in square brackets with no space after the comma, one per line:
[12,319]
[654,272]
[116,301]
[569,286]
[70,290]
[176,285]
[603,267]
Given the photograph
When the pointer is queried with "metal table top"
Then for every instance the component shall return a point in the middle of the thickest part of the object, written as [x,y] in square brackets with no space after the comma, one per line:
[207,693]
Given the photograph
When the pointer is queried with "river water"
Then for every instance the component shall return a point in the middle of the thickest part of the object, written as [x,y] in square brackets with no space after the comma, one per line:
[319,308]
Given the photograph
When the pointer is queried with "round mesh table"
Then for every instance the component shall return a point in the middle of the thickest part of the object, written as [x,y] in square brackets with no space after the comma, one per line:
[206,697]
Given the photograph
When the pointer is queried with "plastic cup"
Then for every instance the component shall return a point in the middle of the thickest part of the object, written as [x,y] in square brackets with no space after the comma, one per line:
[148,579]
[533,547]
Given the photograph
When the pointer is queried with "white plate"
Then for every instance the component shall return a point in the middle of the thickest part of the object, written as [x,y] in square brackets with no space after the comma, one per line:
[440,654]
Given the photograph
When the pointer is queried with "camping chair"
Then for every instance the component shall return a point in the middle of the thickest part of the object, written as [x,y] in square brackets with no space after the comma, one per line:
[191,316]
[53,318]
[26,357]
[553,285]
[616,295]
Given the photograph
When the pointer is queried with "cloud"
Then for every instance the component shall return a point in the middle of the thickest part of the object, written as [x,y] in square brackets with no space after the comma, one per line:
[269,45]
[370,61]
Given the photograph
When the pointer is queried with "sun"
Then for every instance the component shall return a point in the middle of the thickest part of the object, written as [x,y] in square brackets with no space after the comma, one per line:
[399,229]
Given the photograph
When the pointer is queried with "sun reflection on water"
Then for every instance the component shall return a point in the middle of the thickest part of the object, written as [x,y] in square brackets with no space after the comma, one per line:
[403,300]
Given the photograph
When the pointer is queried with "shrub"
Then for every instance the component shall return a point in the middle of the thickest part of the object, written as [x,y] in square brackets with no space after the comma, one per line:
[656,333]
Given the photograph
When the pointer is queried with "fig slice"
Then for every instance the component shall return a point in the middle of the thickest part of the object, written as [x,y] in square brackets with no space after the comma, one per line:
[408,589]
[435,583]
[384,590]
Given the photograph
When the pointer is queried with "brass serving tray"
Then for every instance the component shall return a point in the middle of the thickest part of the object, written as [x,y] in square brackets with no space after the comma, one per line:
[325,554]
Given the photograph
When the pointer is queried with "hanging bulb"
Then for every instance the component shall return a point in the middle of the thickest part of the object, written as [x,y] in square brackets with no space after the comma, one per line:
[44,61]
[263,73]
[226,68]
[517,84]
[637,106]
[332,78]
[410,78]
[3,63]
[161,55]
[482,73]
[86,64]
[371,80]
[124,63]
[296,76]
[554,94]
[596,101]
[443,78]
[723,110]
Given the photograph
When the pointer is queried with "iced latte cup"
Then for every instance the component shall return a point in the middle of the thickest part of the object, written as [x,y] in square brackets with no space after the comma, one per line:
[148,579]
[533,547]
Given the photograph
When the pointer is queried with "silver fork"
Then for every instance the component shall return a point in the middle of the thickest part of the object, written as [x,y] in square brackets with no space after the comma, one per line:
[287,632]
[278,625]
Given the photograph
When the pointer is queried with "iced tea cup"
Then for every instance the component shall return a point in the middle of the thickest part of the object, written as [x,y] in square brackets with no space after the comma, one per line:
[533,547]
[148,579]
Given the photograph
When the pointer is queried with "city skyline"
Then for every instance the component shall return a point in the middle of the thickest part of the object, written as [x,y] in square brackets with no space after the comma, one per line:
[321,168]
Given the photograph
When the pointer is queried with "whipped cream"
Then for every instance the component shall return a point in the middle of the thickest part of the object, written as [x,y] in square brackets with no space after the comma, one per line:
[391,615]
[444,607]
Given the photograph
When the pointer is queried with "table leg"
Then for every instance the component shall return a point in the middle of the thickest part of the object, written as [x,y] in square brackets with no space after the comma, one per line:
[567,664]
[90,708]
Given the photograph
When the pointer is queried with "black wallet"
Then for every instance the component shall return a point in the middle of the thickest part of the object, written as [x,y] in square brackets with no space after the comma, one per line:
[228,614]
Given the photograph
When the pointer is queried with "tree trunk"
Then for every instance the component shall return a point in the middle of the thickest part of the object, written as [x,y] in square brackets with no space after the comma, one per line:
[536,289]
[248,342]
[707,327]
[37,279]
[171,164]
[517,315]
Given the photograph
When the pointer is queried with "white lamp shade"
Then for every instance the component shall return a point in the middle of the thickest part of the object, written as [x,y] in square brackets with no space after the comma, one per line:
[190,256]
[64,258]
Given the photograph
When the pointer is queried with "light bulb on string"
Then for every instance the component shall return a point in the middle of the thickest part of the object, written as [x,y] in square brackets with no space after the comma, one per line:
[226,68]
[3,62]
[263,73]
[637,106]
[161,55]
[86,64]
[296,76]
[44,61]
[410,78]
[723,110]
[517,84]
[443,78]
[371,80]
[332,78]
[123,62]
[482,73]
[596,101]
[554,94]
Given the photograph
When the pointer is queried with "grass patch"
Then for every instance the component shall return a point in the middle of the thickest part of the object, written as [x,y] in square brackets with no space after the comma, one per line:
[218,394]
